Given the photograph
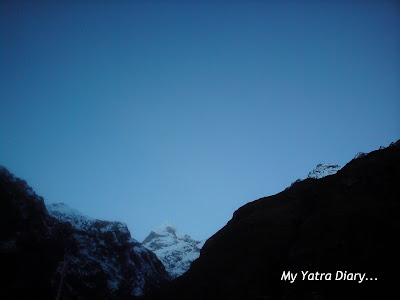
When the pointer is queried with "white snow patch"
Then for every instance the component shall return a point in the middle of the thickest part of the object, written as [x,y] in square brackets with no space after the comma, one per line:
[323,170]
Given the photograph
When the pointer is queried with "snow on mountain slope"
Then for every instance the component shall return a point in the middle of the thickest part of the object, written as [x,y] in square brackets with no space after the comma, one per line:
[320,171]
[323,170]
[59,251]
[79,221]
[64,213]
[105,246]
[176,251]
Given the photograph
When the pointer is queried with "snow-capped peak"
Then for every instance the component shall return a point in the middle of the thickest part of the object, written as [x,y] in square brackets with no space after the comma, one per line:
[176,251]
[166,228]
[323,170]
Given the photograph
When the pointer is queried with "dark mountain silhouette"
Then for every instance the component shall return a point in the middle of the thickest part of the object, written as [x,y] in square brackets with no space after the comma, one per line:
[66,255]
[348,222]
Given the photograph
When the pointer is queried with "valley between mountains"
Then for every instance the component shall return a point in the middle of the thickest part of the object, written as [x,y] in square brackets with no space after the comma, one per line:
[337,219]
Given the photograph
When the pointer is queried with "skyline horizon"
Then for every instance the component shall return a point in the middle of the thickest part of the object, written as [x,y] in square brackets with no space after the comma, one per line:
[142,111]
[167,223]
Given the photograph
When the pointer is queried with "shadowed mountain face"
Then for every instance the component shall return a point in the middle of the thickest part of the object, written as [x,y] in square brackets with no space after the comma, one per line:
[66,255]
[348,222]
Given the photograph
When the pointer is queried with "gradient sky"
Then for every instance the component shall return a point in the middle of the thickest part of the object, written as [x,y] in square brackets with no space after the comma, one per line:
[146,112]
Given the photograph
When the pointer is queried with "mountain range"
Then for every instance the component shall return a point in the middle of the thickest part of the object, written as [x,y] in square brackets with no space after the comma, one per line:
[336,221]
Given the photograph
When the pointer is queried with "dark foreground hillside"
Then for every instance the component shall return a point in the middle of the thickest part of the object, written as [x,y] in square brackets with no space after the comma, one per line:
[349,222]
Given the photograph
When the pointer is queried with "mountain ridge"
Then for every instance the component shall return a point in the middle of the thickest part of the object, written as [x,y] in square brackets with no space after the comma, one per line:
[343,222]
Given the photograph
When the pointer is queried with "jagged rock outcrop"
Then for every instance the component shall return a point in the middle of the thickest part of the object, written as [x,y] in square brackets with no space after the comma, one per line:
[360,154]
[320,171]
[65,254]
[323,170]
[176,251]
[345,222]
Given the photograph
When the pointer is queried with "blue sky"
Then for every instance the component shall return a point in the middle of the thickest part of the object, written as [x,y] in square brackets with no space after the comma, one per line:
[154,111]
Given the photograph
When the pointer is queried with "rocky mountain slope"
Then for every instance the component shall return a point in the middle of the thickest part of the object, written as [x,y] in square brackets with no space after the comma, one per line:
[176,251]
[99,244]
[65,255]
[347,222]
